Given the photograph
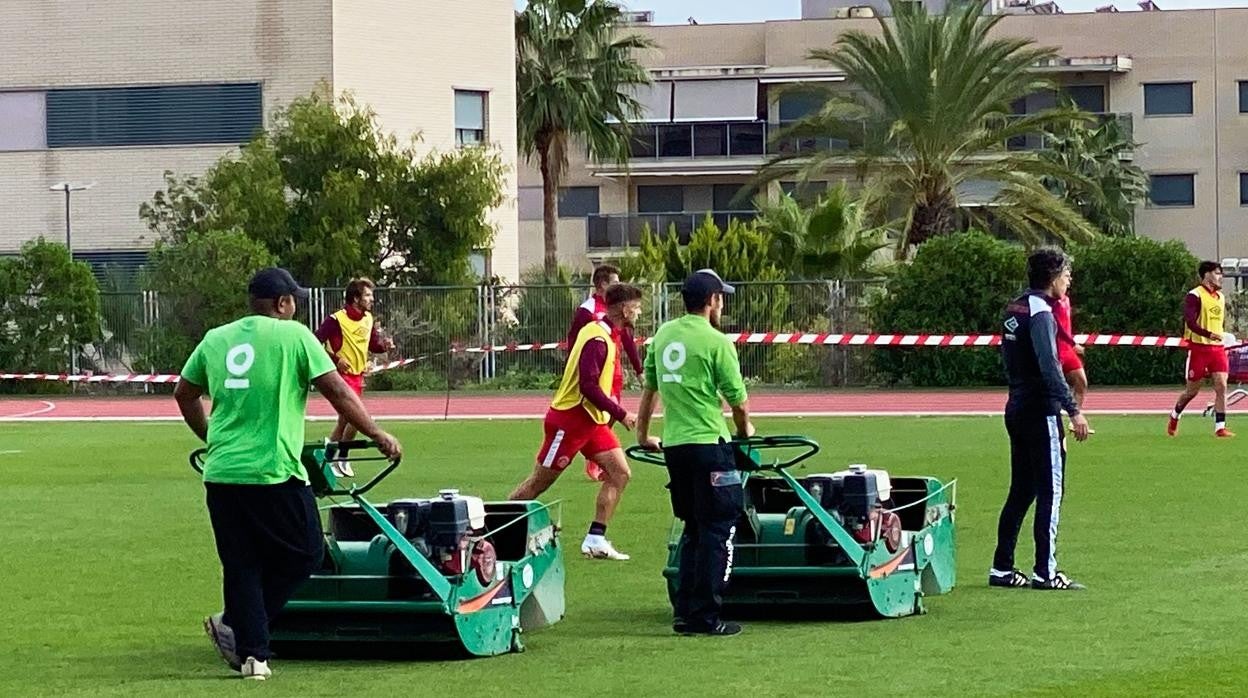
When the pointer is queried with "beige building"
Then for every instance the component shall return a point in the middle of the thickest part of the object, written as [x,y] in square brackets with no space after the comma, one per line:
[1178,78]
[115,92]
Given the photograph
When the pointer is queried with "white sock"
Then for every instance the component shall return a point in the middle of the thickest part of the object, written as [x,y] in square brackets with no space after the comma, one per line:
[594,540]
[1218,426]
[1174,415]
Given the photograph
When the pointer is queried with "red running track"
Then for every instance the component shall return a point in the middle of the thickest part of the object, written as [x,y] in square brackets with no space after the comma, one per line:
[532,405]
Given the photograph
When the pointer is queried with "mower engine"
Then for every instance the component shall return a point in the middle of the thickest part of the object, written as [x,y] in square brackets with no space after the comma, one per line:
[857,497]
[443,530]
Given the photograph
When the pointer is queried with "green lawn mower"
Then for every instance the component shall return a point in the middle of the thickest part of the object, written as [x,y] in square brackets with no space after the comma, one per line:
[450,570]
[852,543]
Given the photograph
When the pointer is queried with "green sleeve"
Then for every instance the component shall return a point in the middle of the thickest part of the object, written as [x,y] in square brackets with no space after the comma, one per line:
[315,358]
[195,371]
[649,371]
[728,378]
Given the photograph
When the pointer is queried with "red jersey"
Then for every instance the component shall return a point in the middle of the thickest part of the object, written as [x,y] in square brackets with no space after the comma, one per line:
[1061,314]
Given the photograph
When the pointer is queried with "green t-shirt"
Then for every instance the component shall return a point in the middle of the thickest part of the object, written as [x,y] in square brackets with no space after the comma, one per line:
[690,364]
[257,371]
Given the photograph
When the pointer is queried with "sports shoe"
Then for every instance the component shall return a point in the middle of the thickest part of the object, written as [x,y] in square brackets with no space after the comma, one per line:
[256,670]
[601,549]
[594,471]
[680,627]
[723,629]
[1014,579]
[222,637]
[1059,582]
[1172,427]
[342,468]
[1224,433]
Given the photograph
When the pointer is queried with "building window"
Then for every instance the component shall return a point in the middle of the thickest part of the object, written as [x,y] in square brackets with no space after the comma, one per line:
[725,198]
[806,193]
[1172,190]
[660,199]
[1168,99]
[1243,188]
[470,117]
[1243,96]
[578,202]
[25,119]
[1089,98]
[164,115]
[800,103]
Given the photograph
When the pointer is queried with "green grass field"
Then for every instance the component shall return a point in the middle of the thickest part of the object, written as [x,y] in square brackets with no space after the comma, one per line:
[108,568]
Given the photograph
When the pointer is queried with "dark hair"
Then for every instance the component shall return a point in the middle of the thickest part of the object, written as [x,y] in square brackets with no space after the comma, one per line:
[1045,265]
[355,289]
[1206,267]
[622,293]
[602,274]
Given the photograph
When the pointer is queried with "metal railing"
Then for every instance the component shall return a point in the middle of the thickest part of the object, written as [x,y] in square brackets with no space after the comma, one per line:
[1040,141]
[147,332]
[721,139]
[620,230]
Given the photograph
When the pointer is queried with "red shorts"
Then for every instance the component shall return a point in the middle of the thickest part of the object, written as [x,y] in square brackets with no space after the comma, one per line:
[569,432]
[1070,361]
[356,383]
[1204,360]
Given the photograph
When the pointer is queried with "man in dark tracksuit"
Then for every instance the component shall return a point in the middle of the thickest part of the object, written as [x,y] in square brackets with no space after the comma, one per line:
[1038,394]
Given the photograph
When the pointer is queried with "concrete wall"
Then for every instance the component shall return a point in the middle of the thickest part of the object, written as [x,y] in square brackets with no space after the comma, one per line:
[283,43]
[406,59]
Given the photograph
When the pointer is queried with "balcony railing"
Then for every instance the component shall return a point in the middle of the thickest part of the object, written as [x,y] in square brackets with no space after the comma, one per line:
[719,139]
[754,139]
[611,231]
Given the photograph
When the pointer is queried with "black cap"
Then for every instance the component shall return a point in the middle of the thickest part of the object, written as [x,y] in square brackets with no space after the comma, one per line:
[273,283]
[702,284]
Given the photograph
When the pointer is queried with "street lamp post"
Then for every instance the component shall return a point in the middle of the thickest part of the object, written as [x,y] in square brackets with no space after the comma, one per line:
[68,187]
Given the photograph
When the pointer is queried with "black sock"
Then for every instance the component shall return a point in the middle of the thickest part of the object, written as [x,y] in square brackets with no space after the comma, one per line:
[1178,409]
[1219,417]
[597,529]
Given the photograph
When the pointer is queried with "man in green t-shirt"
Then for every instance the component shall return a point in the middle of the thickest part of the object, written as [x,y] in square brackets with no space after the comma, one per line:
[690,364]
[257,372]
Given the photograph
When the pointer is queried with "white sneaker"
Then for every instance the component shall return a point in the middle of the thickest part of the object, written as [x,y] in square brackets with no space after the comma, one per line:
[599,548]
[222,637]
[256,670]
[342,468]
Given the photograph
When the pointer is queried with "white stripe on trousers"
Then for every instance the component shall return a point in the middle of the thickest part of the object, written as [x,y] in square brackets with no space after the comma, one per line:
[549,460]
[1055,469]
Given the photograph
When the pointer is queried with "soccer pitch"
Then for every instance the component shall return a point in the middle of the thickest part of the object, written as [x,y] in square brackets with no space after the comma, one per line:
[109,568]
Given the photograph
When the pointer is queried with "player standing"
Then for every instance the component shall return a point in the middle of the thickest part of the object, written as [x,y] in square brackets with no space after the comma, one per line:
[579,419]
[1069,352]
[349,335]
[1204,312]
[592,310]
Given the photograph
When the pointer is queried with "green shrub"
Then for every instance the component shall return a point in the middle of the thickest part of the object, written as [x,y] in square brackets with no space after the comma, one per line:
[1131,285]
[956,284]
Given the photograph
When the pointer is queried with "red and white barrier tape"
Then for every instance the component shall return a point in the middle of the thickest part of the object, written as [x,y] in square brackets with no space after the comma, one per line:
[810,339]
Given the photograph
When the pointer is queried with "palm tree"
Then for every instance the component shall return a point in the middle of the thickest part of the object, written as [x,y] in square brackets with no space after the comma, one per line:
[829,240]
[930,113]
[575,73]
[1112,186]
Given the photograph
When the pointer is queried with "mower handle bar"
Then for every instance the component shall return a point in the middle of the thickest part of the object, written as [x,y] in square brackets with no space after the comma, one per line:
[756,443]
[197,457]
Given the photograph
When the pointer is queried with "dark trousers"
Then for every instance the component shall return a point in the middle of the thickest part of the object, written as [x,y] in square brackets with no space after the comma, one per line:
[706,495]
[1037,473]
[269,540]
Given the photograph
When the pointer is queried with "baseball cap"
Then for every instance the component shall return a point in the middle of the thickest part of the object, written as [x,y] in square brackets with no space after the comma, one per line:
[704,282]
[275,282]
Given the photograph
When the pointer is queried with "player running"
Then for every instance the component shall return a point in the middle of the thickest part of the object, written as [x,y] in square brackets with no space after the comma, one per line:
[349,335]
[1203,314]
[580,416]
[594,309]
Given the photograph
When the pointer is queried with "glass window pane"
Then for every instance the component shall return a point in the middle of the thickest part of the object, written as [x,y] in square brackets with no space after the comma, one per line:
[1168,98]
[675,141]
[1172,190]
[660,199]
[161,115]
[578,202]
[801,103]
[725,197]
[1090,98]
[1243,97]
[1243,188]
[469,110]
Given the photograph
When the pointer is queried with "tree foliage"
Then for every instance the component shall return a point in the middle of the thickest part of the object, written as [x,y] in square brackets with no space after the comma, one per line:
[831,239]
[1111,186]
[332,196]
[49,308]
[575,74]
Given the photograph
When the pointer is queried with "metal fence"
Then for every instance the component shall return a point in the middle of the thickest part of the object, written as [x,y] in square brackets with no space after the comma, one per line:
[144,332]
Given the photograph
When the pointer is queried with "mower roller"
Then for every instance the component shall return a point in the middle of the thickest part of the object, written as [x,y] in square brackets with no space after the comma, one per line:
[849,543]
[445,571]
